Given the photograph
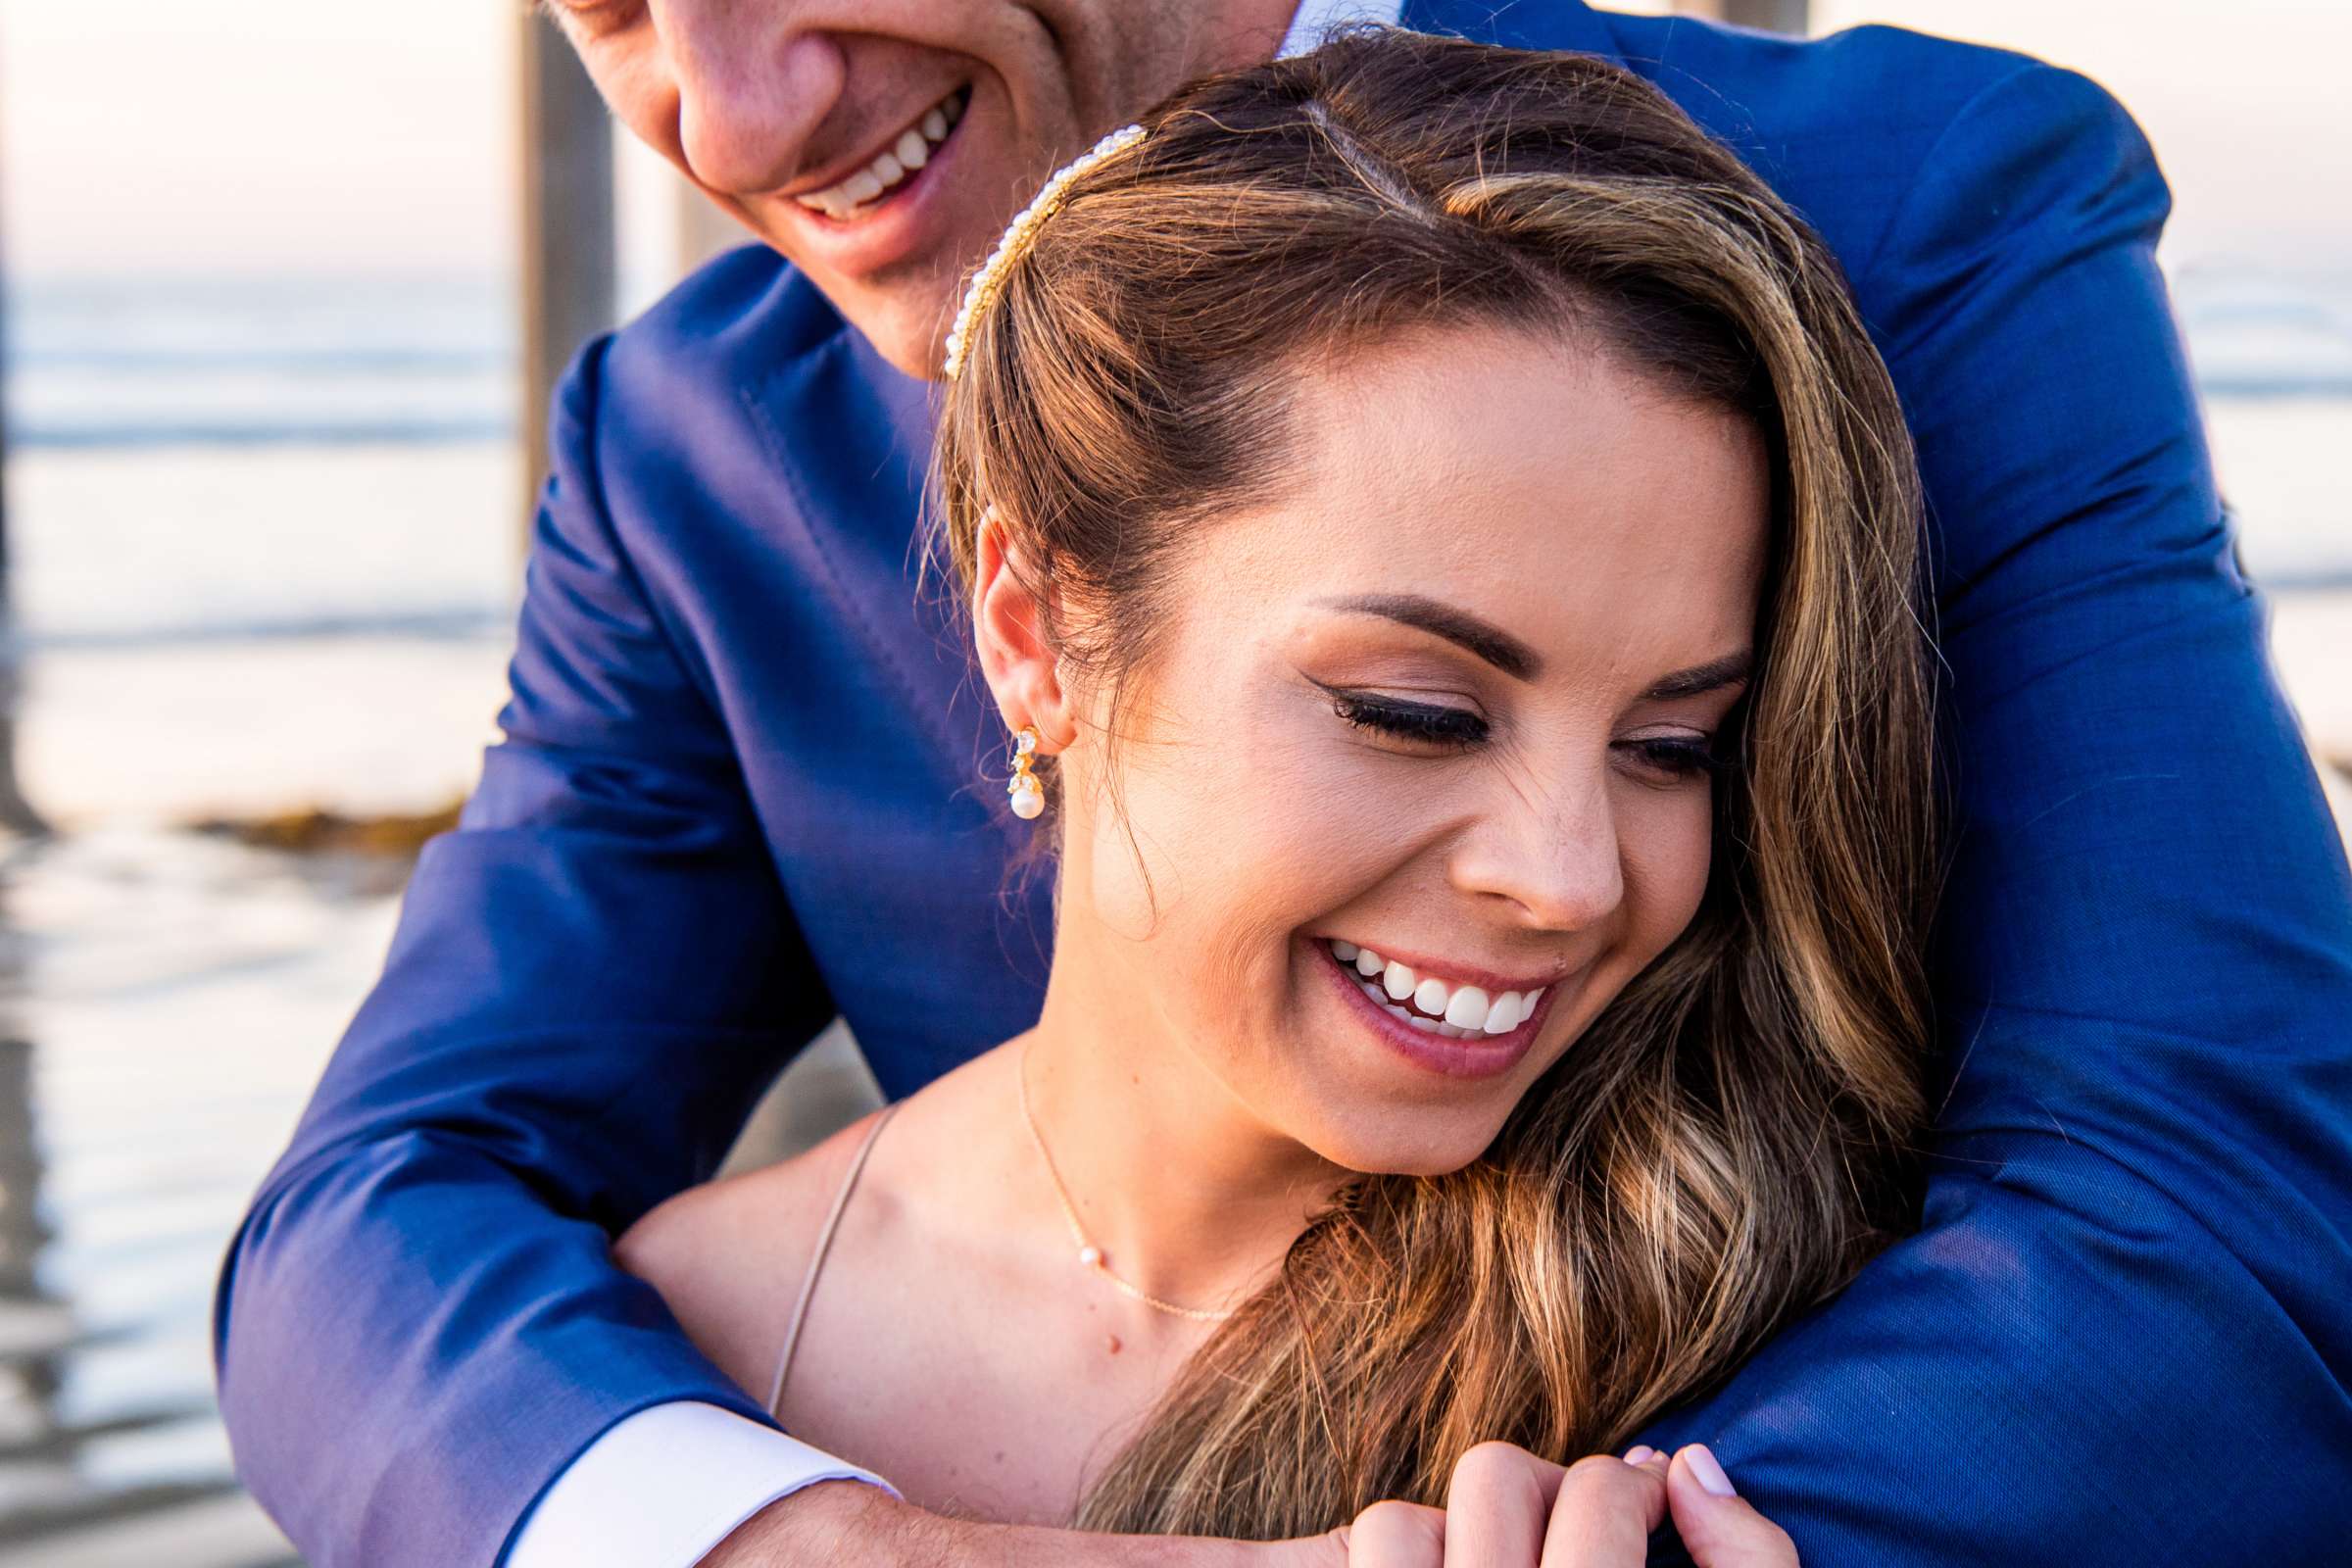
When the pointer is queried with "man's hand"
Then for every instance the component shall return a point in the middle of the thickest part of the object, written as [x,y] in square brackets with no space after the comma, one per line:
[1504,1508]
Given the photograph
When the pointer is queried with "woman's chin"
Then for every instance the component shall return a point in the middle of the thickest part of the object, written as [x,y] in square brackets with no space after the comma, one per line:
[1382,1145]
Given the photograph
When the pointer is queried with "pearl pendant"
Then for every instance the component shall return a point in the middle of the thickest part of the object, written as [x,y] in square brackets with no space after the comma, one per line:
[1028,795]
[1091,1257]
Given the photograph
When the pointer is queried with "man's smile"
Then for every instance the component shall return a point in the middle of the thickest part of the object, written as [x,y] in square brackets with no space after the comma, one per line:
[852,196]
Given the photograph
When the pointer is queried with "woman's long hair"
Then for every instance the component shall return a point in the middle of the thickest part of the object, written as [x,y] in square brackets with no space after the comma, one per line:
[1730,1138]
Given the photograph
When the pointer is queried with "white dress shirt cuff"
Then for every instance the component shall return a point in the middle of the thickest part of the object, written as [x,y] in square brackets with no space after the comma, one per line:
[664,1487]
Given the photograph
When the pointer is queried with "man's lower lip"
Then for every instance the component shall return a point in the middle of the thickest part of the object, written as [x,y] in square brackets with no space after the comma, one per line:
[1468,1057]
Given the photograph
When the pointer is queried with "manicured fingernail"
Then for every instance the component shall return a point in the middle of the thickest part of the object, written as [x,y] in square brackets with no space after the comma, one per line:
[1710,1474]
[1638,1452]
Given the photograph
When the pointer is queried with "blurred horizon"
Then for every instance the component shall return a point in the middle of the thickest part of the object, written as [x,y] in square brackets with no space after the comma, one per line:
[382,138]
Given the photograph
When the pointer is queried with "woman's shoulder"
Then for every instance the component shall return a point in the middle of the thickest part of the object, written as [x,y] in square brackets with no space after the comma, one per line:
[729,1256]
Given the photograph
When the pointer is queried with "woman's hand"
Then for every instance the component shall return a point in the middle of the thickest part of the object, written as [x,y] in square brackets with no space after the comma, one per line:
[1719,1528]
[1508,1508]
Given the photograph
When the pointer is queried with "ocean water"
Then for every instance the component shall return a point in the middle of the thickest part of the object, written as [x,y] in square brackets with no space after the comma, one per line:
[214,459]
[264,542]
[205,459]
[2273,362]
[142,363]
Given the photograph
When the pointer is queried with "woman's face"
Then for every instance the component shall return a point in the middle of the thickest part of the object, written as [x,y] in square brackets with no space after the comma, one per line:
[1417,782]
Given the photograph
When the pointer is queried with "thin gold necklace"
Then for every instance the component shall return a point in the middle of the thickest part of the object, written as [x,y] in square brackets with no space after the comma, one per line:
[1089,1254]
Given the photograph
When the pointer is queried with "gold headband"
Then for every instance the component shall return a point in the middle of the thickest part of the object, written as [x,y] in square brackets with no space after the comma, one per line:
[1017,238]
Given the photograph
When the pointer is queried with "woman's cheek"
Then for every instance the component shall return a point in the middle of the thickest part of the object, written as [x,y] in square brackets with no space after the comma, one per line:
[1666,859]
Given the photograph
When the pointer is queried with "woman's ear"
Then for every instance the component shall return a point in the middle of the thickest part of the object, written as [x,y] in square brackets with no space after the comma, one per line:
[1019,666]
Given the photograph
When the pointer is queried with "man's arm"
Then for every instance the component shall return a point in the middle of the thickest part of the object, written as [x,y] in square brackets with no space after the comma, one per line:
[426,1353]
[2121,1337]
[665,1487]
[593,980]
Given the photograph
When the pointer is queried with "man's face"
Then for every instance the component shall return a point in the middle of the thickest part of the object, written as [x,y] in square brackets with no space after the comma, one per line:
[882,145]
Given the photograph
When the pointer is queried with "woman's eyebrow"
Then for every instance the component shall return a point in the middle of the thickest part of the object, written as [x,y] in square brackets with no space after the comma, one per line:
[1514,657]
[1715,673]
[1484,638]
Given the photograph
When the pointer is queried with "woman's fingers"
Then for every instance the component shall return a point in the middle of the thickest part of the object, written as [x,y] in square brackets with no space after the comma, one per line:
[1397,1535]
[1719,1528]
[1506,1508]
[1495,1504]
[1604,1513]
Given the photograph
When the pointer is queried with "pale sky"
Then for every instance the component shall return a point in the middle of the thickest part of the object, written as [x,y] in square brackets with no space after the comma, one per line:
[296,135]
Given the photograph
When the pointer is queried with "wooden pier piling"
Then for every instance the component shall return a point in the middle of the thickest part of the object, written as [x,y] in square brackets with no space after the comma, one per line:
[570,242]
[17,815]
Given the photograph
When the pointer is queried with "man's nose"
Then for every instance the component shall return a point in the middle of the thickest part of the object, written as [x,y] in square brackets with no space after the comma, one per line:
[754,82]
[1553,856]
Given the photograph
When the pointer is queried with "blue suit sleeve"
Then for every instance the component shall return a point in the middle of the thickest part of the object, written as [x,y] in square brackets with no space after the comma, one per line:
[594,977]
[2120,1337]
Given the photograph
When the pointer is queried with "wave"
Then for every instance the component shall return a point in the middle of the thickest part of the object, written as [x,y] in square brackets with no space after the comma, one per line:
[132,364]
[450,623]
[2259,385]
[325,360]
[146,434]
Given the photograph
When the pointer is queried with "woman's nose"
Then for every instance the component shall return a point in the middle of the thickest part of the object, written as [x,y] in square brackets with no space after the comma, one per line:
[753,85]
[1555,857]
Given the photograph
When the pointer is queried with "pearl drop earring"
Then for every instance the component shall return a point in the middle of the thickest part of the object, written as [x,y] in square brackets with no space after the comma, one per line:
[1028,794]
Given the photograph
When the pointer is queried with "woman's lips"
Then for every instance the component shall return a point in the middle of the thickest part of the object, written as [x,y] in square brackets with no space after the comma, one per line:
[1484,1003]
[1471,1057]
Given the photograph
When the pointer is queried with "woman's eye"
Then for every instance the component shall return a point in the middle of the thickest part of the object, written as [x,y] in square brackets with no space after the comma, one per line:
[1678,757]
[1424,724]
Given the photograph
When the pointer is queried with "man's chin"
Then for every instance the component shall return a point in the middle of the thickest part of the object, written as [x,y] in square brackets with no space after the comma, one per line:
[911,332]
[906,321]
[916,352]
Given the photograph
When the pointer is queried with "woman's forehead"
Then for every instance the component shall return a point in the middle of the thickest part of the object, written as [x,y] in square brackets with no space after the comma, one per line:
[1543,486]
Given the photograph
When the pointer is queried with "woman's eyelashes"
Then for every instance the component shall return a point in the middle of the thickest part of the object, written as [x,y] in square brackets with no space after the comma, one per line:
[1424,724]
[1670,759]
[1678,757]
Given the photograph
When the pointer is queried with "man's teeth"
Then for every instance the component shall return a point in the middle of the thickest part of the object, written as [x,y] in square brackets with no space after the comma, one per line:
[1427,1003]
[911,152]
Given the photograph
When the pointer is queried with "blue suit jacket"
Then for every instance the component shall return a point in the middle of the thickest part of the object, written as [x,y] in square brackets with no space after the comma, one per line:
[741,790]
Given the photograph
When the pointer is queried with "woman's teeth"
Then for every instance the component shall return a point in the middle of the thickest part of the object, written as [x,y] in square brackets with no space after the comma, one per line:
[1427,1003]
[911,152]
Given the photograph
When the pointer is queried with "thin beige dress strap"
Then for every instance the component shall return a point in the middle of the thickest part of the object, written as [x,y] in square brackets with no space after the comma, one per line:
[816,1257]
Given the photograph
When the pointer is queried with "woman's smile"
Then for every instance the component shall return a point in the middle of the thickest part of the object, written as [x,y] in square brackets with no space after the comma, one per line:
[1455,1007]
[1428,1020]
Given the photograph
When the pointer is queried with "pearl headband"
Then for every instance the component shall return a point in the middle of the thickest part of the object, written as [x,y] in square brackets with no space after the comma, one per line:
[1017,238]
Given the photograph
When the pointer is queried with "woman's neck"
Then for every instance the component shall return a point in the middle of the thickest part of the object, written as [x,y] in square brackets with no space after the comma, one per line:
[1189,1196]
